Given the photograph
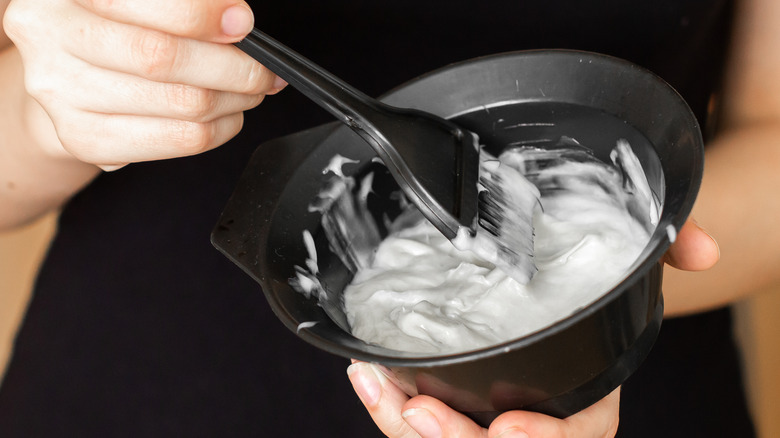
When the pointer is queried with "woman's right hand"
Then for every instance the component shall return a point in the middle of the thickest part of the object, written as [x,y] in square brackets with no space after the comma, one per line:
[137,80]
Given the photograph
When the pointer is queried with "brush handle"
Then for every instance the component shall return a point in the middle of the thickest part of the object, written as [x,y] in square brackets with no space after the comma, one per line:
[434,162]
[348,104]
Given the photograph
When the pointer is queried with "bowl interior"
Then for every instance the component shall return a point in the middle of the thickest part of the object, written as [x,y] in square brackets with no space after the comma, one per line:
[518,98]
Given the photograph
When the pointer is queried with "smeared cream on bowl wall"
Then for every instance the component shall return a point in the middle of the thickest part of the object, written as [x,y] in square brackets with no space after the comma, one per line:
[415,291]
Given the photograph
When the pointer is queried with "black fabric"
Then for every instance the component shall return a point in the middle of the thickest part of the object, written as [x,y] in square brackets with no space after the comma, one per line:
[690,384]
[138,327]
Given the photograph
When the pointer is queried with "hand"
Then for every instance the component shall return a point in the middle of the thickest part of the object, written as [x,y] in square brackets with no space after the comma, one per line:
[137,80]
[399,416]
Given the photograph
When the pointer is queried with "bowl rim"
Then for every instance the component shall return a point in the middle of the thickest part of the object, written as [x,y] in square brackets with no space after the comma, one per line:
[659,243]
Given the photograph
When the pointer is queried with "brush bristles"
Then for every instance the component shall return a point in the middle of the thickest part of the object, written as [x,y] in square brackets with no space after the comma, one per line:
[507,203]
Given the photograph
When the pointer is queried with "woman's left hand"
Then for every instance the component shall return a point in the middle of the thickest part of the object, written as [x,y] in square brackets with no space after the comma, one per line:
[400,416]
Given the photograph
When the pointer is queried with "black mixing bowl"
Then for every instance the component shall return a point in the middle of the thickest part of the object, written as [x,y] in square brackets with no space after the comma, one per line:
[514,98]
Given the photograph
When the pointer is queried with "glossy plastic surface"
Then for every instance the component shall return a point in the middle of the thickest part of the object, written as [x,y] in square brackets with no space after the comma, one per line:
[432,159]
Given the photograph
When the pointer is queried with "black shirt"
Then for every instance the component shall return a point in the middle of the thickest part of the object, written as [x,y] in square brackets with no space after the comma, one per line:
[139,327]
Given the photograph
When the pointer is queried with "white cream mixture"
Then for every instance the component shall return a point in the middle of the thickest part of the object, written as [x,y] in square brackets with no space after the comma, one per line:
[418,293]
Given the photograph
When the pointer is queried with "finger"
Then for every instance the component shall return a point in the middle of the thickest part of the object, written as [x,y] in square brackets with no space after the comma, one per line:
[693,249]
[206,20]
[163,57]
[432,418]
[120,139]
[383,400]
[597,421]
[129,95]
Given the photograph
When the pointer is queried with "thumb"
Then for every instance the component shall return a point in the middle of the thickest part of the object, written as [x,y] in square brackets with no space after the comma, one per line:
[693,249]
[221,21]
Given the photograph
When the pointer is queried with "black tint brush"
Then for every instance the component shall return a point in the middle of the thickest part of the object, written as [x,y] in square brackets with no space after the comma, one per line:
[435,162]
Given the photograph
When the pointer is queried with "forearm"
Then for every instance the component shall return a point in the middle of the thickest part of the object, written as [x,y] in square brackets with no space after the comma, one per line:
[738,205]
[35,177]
[738,202]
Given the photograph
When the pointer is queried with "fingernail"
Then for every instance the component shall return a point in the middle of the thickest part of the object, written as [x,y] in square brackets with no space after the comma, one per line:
[279,83]
[423,422]
[708,234]
[237,21]
[512,433]
[367,381]
[111,167]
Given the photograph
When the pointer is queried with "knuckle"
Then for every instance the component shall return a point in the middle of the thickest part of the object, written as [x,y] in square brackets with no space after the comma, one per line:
[398,427]
[40,86]
[191,138]
[156,53]
[192,19]
[78,145]
[258,79]
[18,21]
[191,103]
[99,6]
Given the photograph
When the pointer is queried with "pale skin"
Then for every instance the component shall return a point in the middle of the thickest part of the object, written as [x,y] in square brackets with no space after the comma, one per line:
[109,83]
[92,85]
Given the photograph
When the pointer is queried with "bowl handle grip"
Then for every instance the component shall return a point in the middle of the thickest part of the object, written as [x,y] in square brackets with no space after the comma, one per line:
[247,214]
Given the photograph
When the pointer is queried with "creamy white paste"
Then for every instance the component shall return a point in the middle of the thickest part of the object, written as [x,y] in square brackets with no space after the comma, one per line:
[415,291]
[421,294]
